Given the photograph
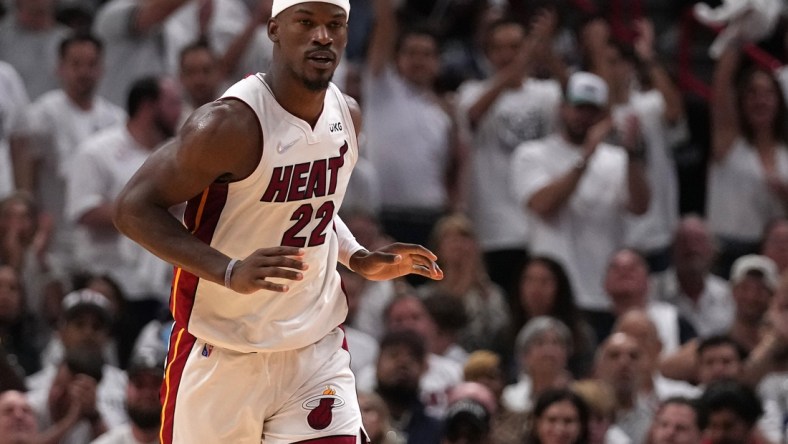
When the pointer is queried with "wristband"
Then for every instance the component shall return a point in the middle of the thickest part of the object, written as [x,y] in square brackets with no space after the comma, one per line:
[228,273]
[347,243]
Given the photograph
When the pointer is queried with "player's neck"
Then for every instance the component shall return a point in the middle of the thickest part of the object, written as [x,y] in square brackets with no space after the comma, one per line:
[295,98]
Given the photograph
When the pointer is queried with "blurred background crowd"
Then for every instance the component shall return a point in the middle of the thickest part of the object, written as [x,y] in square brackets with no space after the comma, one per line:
[605,183]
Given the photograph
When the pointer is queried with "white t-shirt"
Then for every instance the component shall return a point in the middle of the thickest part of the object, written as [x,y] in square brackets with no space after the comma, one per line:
[740,203]
[666,320]
[374,299]
[56,127]
[103,165]
[516,397]
[128,56]
[363,191]
[363,349]
[585,233]
[773,392]
[517,116]
[229,19]
[408,136]
[654,229]
[714,311]
[13,100]
[33,53]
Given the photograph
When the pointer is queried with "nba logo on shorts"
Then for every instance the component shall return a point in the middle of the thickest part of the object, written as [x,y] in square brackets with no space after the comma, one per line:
[206,350]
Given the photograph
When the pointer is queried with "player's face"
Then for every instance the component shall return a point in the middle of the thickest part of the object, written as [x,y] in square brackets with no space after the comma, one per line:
[310,38]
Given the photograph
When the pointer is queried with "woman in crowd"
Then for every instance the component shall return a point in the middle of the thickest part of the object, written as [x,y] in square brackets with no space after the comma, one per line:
[560,417]
[545,290]
[465,278]
[542,349]
[748,176]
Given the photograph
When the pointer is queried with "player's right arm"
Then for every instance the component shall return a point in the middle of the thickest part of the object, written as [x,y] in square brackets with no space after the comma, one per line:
[220,141]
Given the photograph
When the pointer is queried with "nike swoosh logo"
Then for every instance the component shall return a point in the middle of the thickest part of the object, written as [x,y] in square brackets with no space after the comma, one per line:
[282,148]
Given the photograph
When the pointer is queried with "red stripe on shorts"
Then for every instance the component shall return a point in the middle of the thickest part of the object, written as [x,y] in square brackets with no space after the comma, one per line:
[338,439]
[181,343]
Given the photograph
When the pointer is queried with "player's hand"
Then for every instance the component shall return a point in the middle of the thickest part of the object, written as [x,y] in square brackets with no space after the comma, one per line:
[395,260]
[252,273]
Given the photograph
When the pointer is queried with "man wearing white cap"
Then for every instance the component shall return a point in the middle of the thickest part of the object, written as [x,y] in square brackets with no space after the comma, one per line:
[576,188]
[255,350]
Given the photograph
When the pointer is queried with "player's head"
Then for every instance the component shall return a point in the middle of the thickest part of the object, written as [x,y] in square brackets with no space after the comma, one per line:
[309,38]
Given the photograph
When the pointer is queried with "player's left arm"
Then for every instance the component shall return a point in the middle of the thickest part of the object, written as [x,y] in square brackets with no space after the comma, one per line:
[388,262]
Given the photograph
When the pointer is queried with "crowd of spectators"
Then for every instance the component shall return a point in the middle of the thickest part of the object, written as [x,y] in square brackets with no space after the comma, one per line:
[614,238]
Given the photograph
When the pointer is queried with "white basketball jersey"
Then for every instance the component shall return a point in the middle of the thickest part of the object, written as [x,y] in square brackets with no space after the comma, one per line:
[290,199]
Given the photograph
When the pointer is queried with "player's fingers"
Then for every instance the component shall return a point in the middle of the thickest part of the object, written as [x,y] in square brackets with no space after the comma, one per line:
[423,271]
[279,251]
[268,272]
[421,260]
[417,267]
[280,261]
[426,264]
[271,286]
[400,248]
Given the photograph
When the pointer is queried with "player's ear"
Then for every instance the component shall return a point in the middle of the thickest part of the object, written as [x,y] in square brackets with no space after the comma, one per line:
[273,30]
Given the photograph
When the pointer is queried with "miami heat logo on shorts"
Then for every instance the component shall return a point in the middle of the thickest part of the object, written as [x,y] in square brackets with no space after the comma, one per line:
[321,408]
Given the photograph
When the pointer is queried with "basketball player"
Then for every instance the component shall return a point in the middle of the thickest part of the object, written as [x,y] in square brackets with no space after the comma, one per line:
[256,350]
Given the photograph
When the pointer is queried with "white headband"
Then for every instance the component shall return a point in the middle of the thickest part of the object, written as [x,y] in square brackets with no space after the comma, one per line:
[281,5]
